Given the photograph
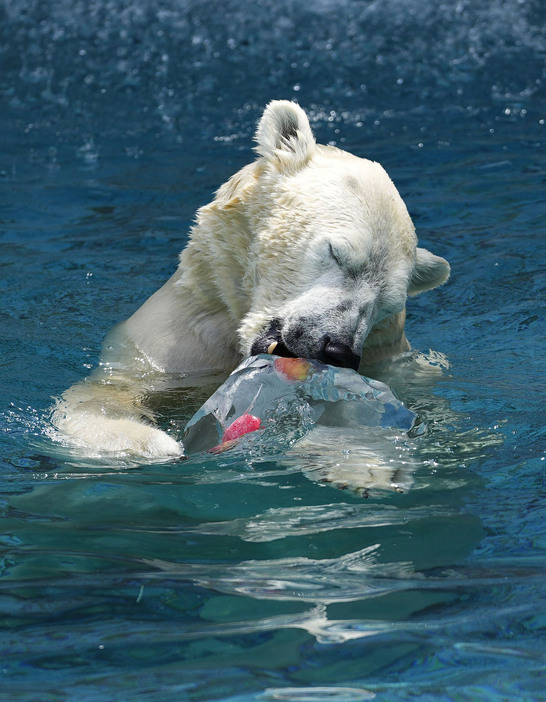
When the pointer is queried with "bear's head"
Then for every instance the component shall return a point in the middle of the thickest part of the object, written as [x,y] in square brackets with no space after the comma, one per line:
[330,251]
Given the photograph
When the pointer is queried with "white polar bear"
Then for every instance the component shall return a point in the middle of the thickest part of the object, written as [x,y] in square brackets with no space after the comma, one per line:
[308,251]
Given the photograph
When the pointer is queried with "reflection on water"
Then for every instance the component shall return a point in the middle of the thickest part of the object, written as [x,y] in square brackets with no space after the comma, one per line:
[216,558]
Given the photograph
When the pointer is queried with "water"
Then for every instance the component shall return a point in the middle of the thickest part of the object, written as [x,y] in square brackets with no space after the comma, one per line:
[253,578]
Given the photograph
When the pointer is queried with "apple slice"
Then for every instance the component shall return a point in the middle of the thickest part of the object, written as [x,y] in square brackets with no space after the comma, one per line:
[242,425]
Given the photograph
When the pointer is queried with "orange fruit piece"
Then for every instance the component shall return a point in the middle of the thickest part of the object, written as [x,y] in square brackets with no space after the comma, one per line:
[293,368]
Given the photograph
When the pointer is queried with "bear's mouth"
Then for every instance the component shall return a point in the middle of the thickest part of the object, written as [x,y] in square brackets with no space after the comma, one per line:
[331,351]
[270,341]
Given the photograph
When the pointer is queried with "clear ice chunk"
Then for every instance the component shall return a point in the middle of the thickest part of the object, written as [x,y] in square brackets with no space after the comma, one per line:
[270,402]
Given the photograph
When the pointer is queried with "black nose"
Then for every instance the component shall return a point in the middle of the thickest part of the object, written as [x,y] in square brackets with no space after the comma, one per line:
[337,354]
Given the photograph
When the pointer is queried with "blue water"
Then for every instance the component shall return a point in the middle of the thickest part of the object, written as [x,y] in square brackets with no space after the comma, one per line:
[250,579]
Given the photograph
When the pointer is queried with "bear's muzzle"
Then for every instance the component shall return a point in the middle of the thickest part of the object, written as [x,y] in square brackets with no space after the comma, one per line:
[329,349]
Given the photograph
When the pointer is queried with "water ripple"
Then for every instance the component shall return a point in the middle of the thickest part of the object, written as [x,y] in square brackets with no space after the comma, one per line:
[317,694]
[281,523]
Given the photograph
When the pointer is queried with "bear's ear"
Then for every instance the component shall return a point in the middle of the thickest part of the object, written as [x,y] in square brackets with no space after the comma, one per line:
[429,272]
[284,136]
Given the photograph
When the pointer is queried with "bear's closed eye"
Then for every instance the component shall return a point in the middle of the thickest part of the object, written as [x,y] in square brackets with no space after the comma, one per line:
[346,262]
[334,255]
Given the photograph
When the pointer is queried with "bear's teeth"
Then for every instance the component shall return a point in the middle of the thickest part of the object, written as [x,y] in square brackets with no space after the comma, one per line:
[272,346]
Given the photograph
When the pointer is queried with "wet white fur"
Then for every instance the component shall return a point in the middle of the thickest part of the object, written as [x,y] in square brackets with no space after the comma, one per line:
[306,233]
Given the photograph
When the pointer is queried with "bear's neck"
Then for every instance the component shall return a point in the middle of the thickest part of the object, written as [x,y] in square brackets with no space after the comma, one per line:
[386,340]
[212,280]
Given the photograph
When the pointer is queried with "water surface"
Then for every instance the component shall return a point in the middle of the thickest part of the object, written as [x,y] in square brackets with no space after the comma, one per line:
[250,578]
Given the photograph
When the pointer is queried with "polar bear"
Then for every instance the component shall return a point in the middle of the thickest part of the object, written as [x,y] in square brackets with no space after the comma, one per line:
[308,251]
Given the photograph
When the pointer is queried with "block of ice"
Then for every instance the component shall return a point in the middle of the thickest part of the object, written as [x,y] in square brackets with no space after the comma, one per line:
[272,402]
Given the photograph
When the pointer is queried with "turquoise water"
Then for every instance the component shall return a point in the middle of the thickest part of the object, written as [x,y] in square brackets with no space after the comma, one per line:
[250,578]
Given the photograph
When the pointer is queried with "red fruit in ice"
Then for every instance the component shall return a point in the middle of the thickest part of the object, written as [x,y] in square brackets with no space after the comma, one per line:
[293,368]
[224,446]
[242,425]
